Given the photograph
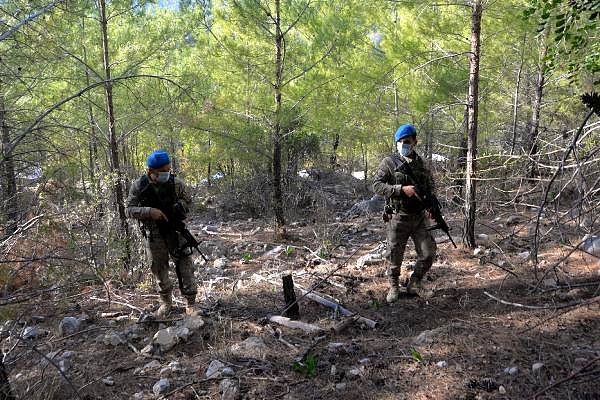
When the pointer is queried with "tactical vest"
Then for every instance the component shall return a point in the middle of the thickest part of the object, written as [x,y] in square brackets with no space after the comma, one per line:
[157,196]
[405,204]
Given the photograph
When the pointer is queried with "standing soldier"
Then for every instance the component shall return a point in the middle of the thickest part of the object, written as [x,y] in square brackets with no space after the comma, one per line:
[405,212]
[150,195]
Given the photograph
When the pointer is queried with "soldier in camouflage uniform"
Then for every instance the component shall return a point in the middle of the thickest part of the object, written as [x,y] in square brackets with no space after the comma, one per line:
[408,218]
[159,183]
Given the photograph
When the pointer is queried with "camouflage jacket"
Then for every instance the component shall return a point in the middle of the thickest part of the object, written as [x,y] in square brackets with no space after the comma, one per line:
[172,191]
[389,179]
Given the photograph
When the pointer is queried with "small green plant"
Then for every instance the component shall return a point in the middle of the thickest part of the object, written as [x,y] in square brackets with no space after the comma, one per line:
[414,353]
[247,257]
[376,304]
[307,366]
[289,250]
[323,253]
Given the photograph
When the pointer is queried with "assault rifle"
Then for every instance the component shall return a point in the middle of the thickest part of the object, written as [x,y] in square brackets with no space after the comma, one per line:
[175,214]
[431,203]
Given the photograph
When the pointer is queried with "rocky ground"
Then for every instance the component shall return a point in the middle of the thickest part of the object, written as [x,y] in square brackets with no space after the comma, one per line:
[97,342]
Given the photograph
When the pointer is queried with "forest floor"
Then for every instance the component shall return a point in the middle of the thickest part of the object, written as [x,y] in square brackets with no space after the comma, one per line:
[458,344]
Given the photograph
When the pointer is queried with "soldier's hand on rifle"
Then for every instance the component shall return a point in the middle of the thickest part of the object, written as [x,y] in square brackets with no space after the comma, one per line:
[157,214]
[410,191]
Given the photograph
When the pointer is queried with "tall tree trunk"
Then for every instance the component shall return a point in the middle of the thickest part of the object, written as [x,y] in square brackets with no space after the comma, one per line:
[473,104]
[277,192]
[532,136]
[112,136]
[516,98]
[336,144]
[8,179]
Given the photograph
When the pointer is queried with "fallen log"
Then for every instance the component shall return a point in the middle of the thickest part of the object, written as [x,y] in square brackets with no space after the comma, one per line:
[345,312]
[308,328]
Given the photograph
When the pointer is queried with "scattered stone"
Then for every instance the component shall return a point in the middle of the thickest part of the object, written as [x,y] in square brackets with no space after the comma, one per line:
[253,347]
[148,349]
[229,389]
[483,238]
[368,259]
[166,339]
[64,364]
[122,318]
[340,386]
[176,366]
[335,347]
[69,326]
[478,252]
[165,371]
[108,381]
[30,333]
[513,220]
[154,364]
[214,368]
[221,263]
[524,255]
[501,390]
[354,373]
[161,386]
[512,371]
[112,338]
[227,372]
[430,336]
[537,367]
[138,396]
[183,333]
[441,364]
[591,244]
[192,323]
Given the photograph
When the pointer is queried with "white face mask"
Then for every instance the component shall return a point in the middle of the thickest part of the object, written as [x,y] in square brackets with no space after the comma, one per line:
[162,177]
[404,148]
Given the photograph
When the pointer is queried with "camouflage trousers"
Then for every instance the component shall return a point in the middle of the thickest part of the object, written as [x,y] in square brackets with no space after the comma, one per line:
[399,229]
[158,255]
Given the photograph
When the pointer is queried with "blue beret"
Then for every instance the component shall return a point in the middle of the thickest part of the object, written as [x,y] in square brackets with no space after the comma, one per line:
[404,131]
[157,159]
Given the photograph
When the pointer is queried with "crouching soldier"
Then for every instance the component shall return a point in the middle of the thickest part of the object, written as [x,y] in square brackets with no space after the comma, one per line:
[149,195]
[405,212]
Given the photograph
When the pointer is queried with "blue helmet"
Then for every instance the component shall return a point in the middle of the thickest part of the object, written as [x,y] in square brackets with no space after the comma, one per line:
[157,159]
[404,131]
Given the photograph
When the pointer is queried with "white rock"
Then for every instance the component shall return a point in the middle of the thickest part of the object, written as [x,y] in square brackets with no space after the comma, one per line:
[161,386]
[227,372]
[441,364]
[229,389]
[591,244]
[138,396]
[336,347]
[30,333]
[513,220]
[354,373]
[64,364]
[478,252]
[154,364]
[114,339]
[166,338]
[524,255]
[68,326]
[183,333]
[340,386]
[253,347]
[193,322]
[108,381]
[214,369]
[368,259]
[501,390]
[364,361]
[221,263]
[483,238]
[536,367]
[511,371]
[176,366]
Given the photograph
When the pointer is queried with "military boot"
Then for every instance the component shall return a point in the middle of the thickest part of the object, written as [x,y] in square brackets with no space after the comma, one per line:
[394,291]
[166,306]
[190,307]
[415,287]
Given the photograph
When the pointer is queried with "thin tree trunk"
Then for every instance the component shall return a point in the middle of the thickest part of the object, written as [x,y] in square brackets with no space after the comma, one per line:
[532,137]
[277,192]
[336,144]
[473,104]
[112,136]
[516,98]
[9,180]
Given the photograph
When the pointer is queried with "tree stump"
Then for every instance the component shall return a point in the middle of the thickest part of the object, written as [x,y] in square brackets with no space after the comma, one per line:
[292,310]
